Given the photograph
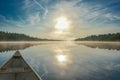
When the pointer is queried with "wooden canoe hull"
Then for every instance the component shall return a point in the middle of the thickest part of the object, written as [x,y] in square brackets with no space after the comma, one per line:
[17,69]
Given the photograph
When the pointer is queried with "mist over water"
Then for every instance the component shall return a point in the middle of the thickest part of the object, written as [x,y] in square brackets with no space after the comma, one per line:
[68,60]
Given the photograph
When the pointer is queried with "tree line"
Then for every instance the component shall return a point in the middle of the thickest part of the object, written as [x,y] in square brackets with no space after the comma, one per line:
[7,36]
[102,37]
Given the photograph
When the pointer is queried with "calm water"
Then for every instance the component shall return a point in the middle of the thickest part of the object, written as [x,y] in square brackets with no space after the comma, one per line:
[68,60]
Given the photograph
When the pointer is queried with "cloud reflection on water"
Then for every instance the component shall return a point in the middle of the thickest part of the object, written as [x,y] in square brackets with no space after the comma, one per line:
[81,62]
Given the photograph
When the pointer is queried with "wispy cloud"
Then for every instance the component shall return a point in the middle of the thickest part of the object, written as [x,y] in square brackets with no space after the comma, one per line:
[39,4]
[45,9]
[86,17]
[111,16]
[34,19]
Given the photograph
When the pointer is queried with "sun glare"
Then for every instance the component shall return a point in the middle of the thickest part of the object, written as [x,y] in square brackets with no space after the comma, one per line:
[61,58]
[61,23]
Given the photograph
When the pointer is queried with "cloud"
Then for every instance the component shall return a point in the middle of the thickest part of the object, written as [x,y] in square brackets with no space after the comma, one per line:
[85,18]
[33,6]
[6,22]
[39,4]
[34,19]
[98,11]
[3,20]
[111,16]
[45,9]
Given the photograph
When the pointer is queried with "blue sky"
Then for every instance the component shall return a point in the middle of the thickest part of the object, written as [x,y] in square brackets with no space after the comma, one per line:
[38,17]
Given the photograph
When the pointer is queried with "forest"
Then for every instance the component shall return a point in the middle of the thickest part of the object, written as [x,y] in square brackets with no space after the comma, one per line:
[7,36]
[101,37]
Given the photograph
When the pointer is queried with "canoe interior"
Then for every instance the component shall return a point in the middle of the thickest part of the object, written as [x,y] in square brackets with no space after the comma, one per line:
[17,69]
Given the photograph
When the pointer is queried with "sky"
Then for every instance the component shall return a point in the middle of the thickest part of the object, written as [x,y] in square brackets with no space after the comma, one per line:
[60,19]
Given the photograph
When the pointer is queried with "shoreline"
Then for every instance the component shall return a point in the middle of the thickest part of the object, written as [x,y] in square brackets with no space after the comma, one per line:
[59,41]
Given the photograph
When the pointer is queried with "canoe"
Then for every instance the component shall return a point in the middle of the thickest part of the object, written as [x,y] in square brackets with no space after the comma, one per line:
[17,68]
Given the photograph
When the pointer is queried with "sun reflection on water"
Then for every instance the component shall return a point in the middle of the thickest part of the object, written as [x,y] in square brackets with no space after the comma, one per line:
[61,58]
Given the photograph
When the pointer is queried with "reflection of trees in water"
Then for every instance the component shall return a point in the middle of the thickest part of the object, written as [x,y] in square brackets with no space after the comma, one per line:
[14,46]
[9,46]
[100,45]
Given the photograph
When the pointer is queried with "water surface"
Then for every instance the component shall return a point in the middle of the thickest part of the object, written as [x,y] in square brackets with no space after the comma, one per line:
[68,60]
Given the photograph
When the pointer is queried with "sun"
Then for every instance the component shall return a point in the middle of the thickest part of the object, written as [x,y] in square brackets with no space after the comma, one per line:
[61,23]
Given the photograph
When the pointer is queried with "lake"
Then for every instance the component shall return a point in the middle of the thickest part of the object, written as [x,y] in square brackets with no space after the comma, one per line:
[68,60]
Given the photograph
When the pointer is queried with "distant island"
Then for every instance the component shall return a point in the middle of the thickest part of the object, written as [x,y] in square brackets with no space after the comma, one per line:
[8,36]
[102,37]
